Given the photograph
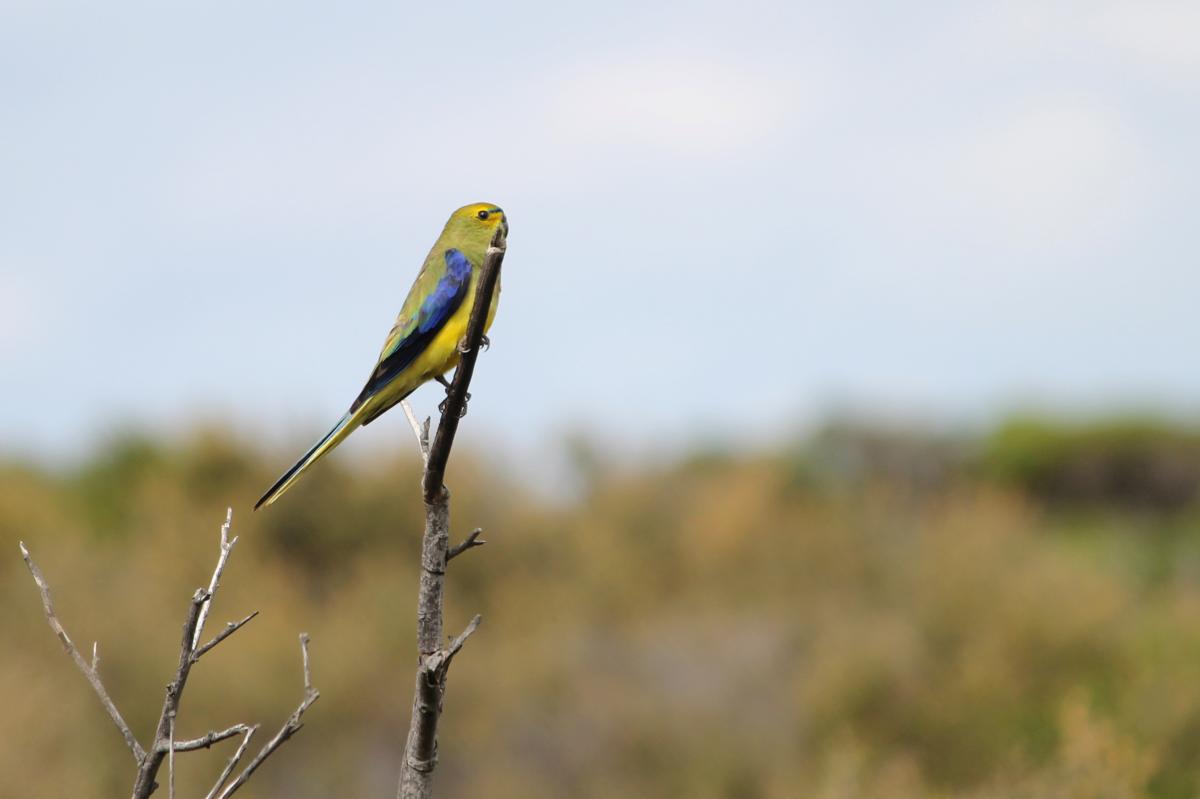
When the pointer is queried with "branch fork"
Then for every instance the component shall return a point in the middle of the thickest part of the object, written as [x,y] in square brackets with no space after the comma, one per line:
[473,540]
[166,745]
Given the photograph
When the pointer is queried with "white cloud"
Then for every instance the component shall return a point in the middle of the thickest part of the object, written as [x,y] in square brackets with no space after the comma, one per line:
[681,104]
[1050,174]
[1161,33]
[1165,33]
[328,155]
[1046,178]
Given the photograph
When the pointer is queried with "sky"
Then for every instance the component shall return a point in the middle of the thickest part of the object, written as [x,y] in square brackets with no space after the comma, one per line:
[727,219]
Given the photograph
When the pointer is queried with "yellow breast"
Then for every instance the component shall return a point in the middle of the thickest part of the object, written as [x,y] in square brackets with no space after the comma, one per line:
[439,357]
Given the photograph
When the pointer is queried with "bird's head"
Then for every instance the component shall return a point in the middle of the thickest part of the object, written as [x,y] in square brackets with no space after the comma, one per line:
[478,222]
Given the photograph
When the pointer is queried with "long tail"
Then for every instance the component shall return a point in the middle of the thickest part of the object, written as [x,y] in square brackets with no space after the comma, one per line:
[345,426]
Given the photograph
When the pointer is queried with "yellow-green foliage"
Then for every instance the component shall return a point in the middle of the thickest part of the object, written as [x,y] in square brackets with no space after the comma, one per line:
[1131,461]
[724,627]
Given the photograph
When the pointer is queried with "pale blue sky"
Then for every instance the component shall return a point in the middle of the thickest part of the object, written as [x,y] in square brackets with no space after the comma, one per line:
[725,216]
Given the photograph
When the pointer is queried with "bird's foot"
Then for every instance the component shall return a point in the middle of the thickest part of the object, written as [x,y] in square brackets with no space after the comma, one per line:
[464,349]
[446,383]
[462,411]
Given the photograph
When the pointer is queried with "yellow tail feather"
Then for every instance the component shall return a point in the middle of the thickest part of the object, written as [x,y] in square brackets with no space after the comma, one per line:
[345,426]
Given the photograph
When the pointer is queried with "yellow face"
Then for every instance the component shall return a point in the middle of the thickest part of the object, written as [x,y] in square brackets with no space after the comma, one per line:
[486,215]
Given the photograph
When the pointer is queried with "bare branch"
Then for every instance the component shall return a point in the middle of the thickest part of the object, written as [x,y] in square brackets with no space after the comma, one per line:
[189,653]
[215,582]
[171,762]
[215,736]
[442,659]
[290,727]
[439,453]
[420,755]
[144,785]
[90,673]
[232,764]
[165,745]
[420,749]
[308,686]
[420,430]
[472,541]
[230,628]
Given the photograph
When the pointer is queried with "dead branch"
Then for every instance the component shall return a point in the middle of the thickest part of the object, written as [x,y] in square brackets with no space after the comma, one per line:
[420,430]
[420,750]
[171,762]
[472,541]
[215,582]
[89,672]
[144,784]
[290,727]
[230,628]
[165,745]
[456,395]
[208,740]
[232,764]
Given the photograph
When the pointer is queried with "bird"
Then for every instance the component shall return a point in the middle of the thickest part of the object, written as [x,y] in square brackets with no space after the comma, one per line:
[424,342]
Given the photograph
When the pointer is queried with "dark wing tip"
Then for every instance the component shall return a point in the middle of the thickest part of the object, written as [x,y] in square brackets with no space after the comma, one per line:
[274,489]
[267,496]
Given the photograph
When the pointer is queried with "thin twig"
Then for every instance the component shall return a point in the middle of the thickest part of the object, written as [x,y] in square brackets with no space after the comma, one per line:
[290,727]
[442,659]
[216,736]
[215,582]
[308,686]
[232,764]
[171,762]
[144,785]
[165,745]
[421,431]
[90,673]
[472,541]
[230,628]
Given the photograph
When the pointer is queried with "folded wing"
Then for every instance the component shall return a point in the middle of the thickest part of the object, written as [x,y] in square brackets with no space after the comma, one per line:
[425,312]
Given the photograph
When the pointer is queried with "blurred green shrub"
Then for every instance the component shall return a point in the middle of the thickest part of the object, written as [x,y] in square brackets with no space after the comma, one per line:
[1129,462]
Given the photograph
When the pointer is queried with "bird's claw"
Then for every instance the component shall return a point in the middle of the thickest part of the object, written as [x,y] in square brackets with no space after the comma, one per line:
[462,411]
[464,349]
[446,383]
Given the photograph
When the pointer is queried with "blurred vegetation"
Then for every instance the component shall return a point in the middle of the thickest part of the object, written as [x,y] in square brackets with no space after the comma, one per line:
[1133,462]
[865,613]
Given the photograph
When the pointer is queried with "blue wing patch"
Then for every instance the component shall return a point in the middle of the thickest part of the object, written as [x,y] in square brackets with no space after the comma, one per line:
[439,306]
[447,294]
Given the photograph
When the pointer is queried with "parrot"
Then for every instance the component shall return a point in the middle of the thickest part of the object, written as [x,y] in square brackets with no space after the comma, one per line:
[424,342]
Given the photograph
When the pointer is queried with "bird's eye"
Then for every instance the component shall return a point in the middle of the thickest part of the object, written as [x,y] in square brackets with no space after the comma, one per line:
[482,214]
